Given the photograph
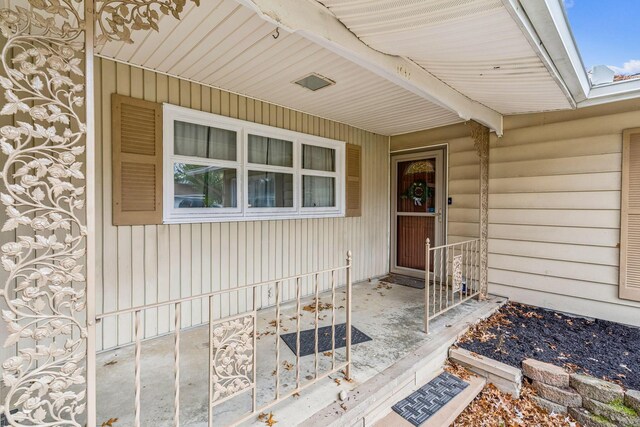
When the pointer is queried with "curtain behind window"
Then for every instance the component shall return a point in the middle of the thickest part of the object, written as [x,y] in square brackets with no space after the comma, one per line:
[204,141]
[318,158]
[270,151]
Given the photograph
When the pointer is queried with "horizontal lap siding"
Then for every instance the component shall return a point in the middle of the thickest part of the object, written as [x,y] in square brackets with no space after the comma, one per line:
[148,264]
[555,216]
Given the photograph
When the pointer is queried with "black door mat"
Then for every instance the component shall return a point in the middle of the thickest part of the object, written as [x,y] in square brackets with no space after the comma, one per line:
[308,339]
[420,405]
[3,418]
[397,279]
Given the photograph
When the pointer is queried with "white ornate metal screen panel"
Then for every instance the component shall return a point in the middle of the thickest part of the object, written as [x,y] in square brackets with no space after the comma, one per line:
[47,224]
[232,357]
[43,193]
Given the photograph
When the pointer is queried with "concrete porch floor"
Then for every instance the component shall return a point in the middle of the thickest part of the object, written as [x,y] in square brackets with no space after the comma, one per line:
[392,315]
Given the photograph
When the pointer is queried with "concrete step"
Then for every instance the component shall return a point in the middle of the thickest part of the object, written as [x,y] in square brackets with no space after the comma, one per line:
[373,399]
[447,414]
[506,378]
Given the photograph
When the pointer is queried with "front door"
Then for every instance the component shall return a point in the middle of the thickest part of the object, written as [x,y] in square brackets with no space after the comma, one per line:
[418,202]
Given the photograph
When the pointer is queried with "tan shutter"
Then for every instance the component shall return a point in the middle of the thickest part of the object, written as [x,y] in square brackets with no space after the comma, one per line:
[630,216]
[137,161]
[354,181]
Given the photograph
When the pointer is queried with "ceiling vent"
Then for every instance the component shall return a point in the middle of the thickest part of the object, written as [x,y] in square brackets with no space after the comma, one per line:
[314,82]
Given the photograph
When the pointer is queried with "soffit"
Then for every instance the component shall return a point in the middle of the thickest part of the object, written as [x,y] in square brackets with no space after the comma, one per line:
[475,46]
[226,45]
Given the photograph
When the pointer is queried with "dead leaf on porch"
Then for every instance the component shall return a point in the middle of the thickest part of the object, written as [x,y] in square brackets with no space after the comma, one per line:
[328,353]
[344,376]
[337,381]
[296,394]
[274,324]
[109,422]
[321,306]
[288,366]
[262,416]
[270,421]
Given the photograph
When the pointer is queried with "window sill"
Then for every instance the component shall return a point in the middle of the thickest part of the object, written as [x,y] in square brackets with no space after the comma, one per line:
[203,219]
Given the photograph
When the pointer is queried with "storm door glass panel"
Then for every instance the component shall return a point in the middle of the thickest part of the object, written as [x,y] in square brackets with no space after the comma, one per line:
[415,211]
[318,158]
[270,190]
[270,151]
[195,140]
[202,186]
[318,191]
[416,186]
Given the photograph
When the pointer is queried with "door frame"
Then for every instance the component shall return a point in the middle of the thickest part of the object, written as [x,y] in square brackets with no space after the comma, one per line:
[440,153]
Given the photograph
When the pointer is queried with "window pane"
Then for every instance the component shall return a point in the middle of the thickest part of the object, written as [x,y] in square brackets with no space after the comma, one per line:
[318,191]
[270,151]
[197,186]
[270,190]
[204,141]
[318,158]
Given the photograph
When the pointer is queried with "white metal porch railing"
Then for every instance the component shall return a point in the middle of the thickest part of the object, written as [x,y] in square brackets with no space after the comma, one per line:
[452,276]
[232,342]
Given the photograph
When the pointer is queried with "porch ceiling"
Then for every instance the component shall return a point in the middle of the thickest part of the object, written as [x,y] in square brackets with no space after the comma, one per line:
[477,47]
[226,45]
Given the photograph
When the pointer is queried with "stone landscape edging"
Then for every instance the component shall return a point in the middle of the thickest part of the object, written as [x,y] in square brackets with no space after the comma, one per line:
[593,402]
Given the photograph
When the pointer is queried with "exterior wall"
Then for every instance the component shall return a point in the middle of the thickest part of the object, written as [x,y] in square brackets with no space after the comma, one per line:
[554,207]
[146,264]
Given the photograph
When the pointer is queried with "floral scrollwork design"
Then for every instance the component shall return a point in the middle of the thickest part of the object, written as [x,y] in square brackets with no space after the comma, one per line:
[117,19]
[43,291]
[456,275]
[232,357]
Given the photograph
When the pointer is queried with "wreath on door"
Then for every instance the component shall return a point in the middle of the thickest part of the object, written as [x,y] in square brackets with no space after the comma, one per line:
[418,192]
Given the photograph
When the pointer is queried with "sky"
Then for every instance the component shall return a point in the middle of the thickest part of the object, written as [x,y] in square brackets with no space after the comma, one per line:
[607,33]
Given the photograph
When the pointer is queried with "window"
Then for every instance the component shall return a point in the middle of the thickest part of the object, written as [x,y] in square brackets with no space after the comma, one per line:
[222,169]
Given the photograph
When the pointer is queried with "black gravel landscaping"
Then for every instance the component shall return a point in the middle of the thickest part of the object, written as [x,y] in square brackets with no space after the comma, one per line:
[607,350]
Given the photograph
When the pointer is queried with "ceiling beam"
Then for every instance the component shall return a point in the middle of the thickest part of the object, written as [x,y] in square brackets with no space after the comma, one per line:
[315,22]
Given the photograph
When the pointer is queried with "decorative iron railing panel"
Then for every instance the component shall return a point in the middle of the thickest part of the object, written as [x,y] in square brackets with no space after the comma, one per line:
[232,356]
[452,276]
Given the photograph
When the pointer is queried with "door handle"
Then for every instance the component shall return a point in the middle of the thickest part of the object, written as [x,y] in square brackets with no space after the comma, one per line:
[439,215]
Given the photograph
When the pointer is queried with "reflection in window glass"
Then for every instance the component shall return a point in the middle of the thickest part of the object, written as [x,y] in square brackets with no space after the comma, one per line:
[270,151]
[318,191]
[318,158]
[204,141]
[270,190]
[197,186]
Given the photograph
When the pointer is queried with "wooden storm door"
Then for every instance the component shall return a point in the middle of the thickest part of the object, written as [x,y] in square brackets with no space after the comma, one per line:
[418,199]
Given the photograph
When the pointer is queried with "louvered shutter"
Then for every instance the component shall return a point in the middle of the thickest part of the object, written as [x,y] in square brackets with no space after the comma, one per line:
[354,180]
[137,161]
[630,216]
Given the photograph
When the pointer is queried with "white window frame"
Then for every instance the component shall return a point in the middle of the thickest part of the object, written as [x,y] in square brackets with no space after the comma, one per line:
[242,212]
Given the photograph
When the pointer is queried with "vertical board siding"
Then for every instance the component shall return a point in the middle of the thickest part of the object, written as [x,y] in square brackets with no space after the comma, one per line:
[554,211]
[154,263]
